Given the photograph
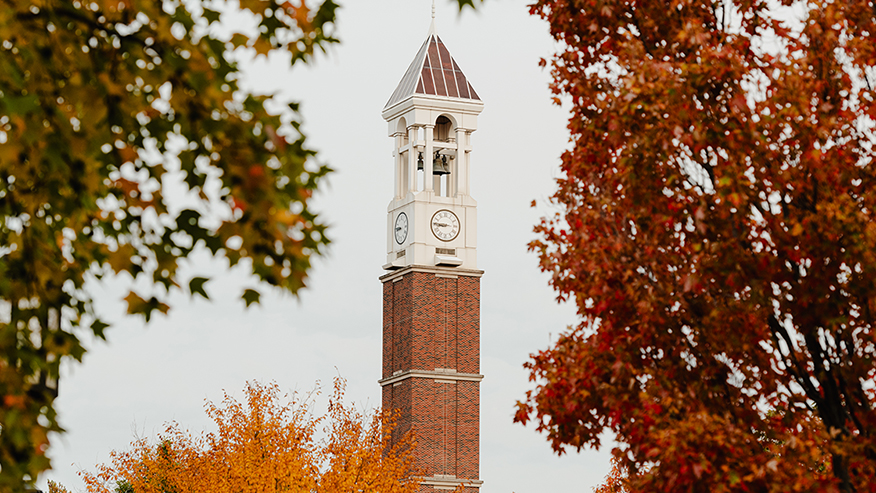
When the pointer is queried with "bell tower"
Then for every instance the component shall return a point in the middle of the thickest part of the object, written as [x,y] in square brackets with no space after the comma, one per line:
[431,293]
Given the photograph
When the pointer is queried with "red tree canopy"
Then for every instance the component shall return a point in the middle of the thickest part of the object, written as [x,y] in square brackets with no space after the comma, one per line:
[718,238]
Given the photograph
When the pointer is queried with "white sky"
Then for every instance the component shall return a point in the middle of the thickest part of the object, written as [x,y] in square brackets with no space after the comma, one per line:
[148,375]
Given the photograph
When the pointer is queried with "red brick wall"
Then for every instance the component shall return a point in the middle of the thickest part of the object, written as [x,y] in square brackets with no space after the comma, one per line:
[468,426]
[433,322]
[469,310]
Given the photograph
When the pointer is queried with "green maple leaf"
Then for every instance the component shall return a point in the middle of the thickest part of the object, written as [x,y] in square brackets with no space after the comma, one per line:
[196,286]
[251,296]
[211,15]
[98,327]
[139,306]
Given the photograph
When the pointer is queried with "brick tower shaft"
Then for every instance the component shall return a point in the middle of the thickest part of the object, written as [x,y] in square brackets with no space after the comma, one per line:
[431,369]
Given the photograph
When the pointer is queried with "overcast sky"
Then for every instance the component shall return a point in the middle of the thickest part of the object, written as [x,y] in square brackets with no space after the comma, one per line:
[148,375]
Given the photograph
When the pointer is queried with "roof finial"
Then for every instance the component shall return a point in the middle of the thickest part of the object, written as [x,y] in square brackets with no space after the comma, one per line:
[432,27]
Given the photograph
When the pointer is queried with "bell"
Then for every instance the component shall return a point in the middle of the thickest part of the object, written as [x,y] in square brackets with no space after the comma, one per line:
[420,162]
[439,165]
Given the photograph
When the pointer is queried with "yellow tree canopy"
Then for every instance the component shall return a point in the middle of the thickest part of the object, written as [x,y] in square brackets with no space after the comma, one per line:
[267,444]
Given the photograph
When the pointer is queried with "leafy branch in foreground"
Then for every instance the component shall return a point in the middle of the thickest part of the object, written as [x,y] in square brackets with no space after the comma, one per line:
[105,107]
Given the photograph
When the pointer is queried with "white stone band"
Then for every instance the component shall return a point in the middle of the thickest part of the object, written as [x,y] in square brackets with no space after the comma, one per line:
[436,375]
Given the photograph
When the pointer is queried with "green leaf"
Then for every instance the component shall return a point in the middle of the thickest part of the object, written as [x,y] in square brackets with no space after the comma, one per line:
[211,15]
[251,296]
[139,306]
[467,3]
[21,104]
[196,286]
[73,120]
[238,39]
[97,327]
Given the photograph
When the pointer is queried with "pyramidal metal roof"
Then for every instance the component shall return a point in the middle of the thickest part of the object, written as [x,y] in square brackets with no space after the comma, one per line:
[434,73]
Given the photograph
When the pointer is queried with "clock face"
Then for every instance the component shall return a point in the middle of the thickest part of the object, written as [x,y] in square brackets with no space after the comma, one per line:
[401,228]
[445,225]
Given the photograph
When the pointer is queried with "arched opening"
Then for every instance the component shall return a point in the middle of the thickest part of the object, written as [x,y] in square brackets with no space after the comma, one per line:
[444,145]
[402,173]
[402,128]
[443,130]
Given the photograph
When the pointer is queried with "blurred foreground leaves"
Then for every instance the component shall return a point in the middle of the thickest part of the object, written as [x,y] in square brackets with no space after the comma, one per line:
[126,144]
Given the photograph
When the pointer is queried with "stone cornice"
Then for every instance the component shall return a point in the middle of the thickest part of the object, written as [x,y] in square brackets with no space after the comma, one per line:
[431,270]
[437,103]
[447,375]
[440,482]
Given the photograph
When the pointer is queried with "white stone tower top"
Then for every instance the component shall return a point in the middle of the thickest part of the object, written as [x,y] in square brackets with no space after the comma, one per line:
[432,218]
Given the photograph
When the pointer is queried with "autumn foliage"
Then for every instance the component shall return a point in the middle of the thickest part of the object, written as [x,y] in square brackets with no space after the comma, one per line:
[718,236]
[615,481]
[127,144]
[267,444]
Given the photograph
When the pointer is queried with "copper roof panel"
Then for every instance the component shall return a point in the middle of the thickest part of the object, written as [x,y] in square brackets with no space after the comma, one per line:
[434,60]
[447,70]
[437,73]
[446,59]
[471,91]
[451,84]
[463,85]
[428,83]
